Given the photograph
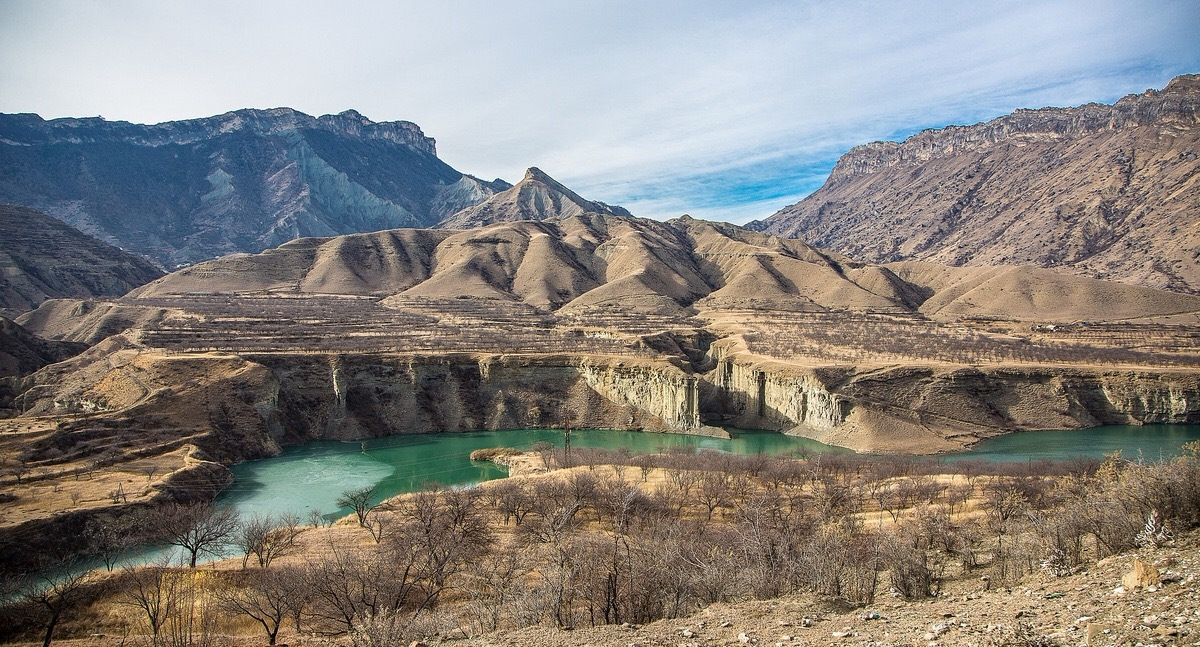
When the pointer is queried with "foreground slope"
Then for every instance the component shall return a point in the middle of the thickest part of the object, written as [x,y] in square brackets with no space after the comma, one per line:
[243,181]
[1098,190]
[42,258]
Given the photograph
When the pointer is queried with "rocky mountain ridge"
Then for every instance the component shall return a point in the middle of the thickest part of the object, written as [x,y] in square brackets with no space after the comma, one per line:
[1103,191]
[1177,103]
[248,180]
[28,129]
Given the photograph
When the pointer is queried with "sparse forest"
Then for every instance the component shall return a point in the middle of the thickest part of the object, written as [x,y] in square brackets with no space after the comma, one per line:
[608,537]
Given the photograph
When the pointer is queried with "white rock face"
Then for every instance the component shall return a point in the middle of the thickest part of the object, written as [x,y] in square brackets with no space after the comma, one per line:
[779,401]
[669,395]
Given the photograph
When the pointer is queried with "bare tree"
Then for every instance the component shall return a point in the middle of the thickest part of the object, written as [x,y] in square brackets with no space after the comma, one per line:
[58,592]
[360,501]
[110,537]
[266,537]
[195,527]
[268,597]
[152,590]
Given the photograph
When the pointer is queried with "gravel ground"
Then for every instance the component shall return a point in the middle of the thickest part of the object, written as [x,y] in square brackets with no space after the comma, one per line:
[1087,608]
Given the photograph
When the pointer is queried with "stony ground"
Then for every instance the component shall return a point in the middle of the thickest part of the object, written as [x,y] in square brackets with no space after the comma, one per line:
[1088,608]
[1091,607]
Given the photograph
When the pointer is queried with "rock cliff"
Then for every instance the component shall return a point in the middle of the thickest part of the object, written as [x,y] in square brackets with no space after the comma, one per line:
[244,181]
[1105,191]
[941,408]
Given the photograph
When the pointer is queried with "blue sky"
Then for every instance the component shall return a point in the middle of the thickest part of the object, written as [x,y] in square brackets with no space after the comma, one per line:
[724,110]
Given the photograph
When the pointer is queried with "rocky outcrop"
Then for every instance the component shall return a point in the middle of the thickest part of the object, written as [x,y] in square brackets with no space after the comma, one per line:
[364,396]
[1103,191]
[765,395]
[666,393]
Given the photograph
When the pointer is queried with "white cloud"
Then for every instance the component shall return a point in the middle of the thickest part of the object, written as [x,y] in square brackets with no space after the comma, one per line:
[725,110]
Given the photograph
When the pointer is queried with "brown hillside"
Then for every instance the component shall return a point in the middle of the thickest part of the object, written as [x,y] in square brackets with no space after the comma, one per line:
[536,197]
[1103,191]
[43,258]
[686,265]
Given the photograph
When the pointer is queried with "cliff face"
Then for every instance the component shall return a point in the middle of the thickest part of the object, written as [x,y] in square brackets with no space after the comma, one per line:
[356,396]
[1103,191]
[185,191]
[925,409]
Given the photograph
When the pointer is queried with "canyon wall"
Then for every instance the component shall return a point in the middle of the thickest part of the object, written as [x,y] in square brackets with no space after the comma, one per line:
[925,409]
[360,396]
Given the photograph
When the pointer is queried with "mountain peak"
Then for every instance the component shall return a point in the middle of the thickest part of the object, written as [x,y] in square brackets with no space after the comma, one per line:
[535,174]
[536,197]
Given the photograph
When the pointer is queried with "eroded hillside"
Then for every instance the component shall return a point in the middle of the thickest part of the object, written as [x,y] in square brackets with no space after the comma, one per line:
[1097,190]
[589,321]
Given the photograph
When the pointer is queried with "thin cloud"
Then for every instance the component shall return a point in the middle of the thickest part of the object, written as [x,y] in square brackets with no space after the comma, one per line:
[722,110]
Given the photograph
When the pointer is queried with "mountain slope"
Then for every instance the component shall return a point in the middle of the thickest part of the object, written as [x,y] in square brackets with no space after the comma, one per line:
[249,180]
[21,352]
[595,261]
[536,197]
[42,258]
[1103,191]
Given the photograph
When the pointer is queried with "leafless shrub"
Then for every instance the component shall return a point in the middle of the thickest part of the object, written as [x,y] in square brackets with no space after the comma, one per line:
[907,565]
[266,537]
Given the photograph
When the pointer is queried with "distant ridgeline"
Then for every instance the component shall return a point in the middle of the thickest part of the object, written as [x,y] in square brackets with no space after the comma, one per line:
[1104,191]
[185,191]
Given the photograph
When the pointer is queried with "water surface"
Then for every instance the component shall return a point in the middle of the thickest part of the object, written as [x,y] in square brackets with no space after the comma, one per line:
[1151,443]
[313,476]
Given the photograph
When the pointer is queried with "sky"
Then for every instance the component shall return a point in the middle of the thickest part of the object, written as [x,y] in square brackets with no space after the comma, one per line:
[725,110]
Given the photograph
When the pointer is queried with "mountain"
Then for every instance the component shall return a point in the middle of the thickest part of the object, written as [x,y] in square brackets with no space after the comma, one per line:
[185,191]
[42,258]
[536,197]
[591,262]
[21,352]
[1107,191]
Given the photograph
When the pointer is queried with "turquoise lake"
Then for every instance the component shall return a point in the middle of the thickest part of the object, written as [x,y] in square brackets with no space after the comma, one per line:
[313,476]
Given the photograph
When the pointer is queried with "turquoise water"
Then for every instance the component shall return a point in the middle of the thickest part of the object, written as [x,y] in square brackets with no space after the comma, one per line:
[312,476]
[1150,442]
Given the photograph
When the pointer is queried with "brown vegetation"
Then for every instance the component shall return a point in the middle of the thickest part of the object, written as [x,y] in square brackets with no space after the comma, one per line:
[632,539]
